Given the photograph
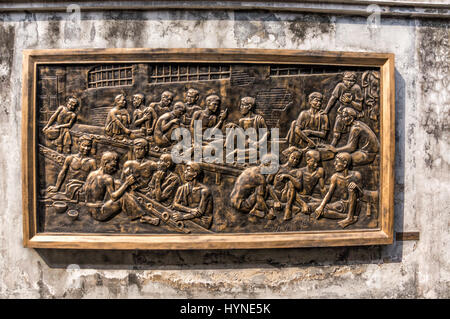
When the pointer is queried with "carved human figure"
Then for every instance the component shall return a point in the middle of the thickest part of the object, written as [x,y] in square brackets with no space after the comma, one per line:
[59,124]
[362,142]
[250,190]
[313,175]
[106,197]
[311,126]
[164,183]
[140,167]
[190,101]
[249,120]
[164,105]
[345,185]
[118,119]
[143,117]
[193,200]
[287,182]
[208,116]
[75,169]
[167,123]
[348,94]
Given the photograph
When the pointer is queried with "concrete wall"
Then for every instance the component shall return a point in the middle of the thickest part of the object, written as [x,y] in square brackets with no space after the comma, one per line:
[406,269]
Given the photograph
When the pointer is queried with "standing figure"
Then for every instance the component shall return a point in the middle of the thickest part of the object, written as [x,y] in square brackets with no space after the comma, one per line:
[164,105]
[143,117]
[190,101]
[371,87]
[164,183]
[193,200]
[348,94]
[346,186]
[75,169]
[118,119]
[63,118]
[311,126]
[167,123]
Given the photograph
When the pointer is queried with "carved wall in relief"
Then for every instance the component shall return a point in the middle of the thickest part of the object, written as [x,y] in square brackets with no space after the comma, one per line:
[105,145]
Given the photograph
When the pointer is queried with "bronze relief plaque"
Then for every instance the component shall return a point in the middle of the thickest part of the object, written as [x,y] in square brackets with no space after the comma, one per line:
[203,148]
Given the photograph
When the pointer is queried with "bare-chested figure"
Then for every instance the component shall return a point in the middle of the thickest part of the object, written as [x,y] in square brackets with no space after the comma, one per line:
[288,180]
[106,197]
[362,142]
[313,175]
[59,124]
[193,200]
[209,117]
[346,186]
[190,101]
[163,106]
[249,120]
[164,183]
[75,169]
[311,126]
[144,117]
[118,119]
[250,190]
[348,94]
[167,123]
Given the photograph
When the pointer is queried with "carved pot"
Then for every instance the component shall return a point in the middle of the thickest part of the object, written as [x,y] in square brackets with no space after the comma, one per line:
[59,207]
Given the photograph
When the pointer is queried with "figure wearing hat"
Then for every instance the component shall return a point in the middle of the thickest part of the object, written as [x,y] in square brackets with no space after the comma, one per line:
[348,94]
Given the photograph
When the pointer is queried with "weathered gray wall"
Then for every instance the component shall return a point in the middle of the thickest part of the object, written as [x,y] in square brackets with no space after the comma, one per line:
[422,202]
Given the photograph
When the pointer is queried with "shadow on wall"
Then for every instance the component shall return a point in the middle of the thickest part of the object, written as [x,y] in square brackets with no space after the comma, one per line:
[260,258]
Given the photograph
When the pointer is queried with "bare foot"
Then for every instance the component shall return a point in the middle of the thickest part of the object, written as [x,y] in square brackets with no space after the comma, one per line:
[348,221]
[271,215]
[149,220]
[287,214]
[257,213]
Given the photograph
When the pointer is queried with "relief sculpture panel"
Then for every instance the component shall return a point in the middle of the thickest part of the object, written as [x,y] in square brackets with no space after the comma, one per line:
[172,147]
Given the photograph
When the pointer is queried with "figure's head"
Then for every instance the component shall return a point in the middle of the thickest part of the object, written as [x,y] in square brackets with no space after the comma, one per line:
[247,104]
[109,162]
[140,148]
[269,164]
[192,96]
[213,103]
[179,109]
[349,79]
[348,115]
[315,100]
[294,155]
[72,103]
[342,161]
[85,144]
[192,171]
[165,162]
[120,101]
[312,158]
[166,98]
[138,100]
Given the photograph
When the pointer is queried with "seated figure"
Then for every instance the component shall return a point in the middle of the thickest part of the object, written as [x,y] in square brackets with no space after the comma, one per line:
[164,183]
[167,123]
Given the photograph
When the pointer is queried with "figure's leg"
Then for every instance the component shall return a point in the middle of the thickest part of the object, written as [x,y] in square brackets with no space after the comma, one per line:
[106,211]
[290,200]
[362,158]
[67,142]
[351,219]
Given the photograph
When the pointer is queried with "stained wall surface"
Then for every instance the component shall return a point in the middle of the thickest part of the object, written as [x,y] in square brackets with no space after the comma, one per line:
[406,269]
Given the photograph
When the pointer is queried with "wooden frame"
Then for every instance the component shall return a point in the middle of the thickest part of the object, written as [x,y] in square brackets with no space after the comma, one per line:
[382,235]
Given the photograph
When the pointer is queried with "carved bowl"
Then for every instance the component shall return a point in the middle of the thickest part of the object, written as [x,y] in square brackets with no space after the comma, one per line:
[73,214]
[59,207]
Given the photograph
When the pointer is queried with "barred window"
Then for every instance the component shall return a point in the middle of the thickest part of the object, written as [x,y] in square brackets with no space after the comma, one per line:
[166,73]
[110,75]
[292,70]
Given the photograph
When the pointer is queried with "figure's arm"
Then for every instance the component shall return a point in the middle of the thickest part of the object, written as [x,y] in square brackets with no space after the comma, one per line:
[330,104]
[357,101]
[352,142]
[297,180]
[73,117]
[61,175]
[321,174]
[115,195]
[222,117]
[167,125]
[168,187]
[327,197]
[53,117]
[139,120]
[178,206]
